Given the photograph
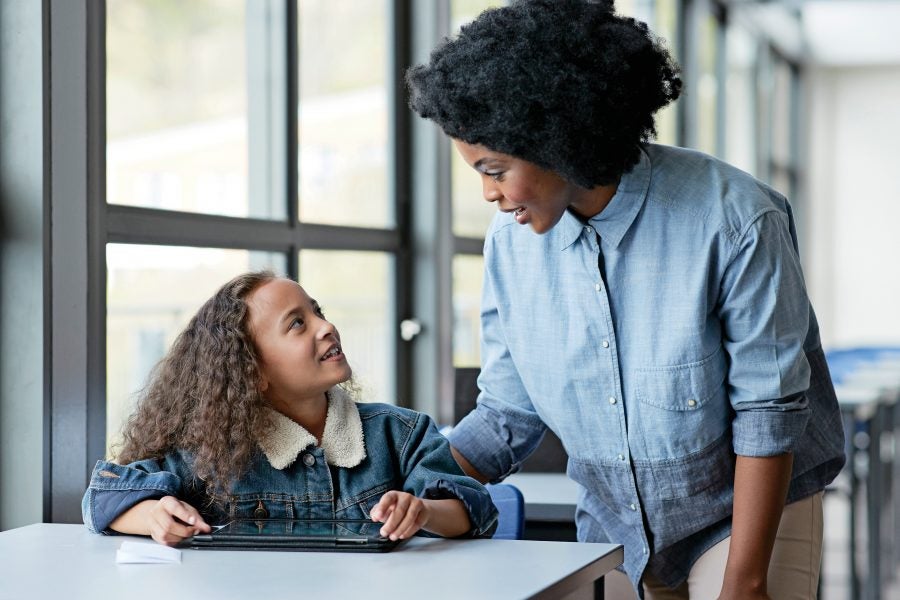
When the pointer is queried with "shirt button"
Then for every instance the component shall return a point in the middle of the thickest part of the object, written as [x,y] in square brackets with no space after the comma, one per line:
[692,402]
[587,227]
[605,344]
[645,550]
[621,457]
[309,460]
[598,287]
[632,506]
[612,400]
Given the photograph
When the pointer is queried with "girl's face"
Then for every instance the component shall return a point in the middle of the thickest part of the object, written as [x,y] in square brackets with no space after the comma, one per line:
[535,196]
[300,352]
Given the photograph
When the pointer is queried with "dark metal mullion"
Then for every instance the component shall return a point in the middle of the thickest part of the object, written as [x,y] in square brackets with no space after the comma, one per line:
[137,225]
[468,245]
[47,277]
[721,13]
[292,152]
[314,236]
[401,54]
[72,185]
[96,233]
[444,252]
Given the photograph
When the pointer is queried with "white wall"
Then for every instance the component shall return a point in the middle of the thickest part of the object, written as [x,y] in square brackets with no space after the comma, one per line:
[852,258]
[21,265]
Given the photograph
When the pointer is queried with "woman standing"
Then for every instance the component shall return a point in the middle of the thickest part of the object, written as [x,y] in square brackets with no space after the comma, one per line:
[644,302]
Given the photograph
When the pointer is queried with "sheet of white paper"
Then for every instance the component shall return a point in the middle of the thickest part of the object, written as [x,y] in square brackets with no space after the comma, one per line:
[147,553]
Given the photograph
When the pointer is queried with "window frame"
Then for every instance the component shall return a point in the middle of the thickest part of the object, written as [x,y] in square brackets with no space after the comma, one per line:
[83,223]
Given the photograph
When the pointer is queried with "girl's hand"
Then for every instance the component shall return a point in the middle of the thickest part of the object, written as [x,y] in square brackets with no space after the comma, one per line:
[402,514]
[170,520]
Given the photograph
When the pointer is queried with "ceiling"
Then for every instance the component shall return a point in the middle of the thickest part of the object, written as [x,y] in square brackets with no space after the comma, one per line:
[852,32]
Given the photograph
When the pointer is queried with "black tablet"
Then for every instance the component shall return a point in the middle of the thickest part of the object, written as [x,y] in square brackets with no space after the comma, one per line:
[312,535]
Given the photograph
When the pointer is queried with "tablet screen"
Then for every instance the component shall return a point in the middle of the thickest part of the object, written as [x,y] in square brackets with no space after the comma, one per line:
[303,529]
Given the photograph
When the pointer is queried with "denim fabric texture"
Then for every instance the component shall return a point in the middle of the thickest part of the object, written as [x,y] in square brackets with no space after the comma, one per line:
[404,451]
[699,345]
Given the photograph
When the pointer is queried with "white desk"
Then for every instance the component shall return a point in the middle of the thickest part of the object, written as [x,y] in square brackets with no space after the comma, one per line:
[66,561]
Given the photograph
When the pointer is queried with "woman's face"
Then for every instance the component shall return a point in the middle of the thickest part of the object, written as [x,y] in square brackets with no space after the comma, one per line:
[299,350]
[534,195]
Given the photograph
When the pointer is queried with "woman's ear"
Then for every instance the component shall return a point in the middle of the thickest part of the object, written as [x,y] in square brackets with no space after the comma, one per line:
[263,383]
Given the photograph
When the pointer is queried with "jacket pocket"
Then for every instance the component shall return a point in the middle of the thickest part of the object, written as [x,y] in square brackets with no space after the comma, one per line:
[260,506]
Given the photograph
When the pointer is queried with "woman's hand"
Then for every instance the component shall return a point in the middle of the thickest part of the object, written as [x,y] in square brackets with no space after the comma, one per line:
[167,520]
[727,594]
[402,514]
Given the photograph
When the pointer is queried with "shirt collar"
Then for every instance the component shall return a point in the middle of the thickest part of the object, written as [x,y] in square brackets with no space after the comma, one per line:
[342,440]
[614,221]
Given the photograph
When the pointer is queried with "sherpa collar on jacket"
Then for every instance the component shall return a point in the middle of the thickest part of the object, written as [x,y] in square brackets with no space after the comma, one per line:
[342,440]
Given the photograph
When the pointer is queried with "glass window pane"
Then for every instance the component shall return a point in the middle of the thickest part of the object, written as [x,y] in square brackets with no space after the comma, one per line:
[707,85]
[661,17]
[463,11]
[468,273]
[471,213]
[177,108]
[343,119]
[151,294]
[355,290]
[740,147]
[665,26]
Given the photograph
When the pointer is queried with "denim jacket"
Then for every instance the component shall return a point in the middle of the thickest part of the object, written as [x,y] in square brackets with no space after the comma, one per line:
[366,450]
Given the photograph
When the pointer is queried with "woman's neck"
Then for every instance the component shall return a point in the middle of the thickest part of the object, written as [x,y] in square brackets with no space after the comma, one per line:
[591,202]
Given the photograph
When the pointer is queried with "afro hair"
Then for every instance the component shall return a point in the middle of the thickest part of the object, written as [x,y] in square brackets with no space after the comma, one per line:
[565,84]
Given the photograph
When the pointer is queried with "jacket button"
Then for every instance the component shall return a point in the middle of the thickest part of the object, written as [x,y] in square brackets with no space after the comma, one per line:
[260,511]
[309,460]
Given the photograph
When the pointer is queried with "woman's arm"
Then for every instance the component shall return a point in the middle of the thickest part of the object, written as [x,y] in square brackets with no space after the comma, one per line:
[760,489]
[467,467]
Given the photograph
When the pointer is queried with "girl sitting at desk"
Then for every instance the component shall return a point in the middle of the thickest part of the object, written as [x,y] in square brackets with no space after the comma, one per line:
[251,415]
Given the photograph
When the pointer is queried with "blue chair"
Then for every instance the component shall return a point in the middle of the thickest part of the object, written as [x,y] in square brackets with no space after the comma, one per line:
[511,505]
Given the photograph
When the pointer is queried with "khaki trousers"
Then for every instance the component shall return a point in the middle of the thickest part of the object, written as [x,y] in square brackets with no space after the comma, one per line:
[793,570]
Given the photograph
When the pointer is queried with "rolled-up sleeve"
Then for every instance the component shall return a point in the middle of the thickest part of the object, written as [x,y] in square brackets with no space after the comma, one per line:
[431,472]
[116,488]
[764,310]
[504,428]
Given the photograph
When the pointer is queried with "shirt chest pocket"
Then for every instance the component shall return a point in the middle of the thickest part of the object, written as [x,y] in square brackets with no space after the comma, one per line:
[683,408]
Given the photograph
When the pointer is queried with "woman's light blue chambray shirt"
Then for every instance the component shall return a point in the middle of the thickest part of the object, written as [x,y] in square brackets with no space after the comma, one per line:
[699,345]
[366,450]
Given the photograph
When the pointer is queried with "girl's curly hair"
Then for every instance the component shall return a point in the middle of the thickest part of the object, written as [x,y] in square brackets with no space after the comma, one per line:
[203,397]
[565,84]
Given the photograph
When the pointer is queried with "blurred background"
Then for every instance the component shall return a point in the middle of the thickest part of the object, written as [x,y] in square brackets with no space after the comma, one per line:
[153,149]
